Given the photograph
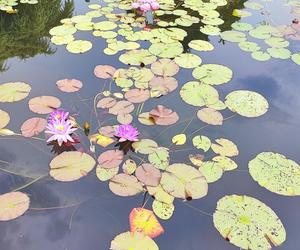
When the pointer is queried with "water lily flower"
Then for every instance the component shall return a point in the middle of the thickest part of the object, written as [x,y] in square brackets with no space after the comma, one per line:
[146,5]
[58,115]
[60,131]
[127,133]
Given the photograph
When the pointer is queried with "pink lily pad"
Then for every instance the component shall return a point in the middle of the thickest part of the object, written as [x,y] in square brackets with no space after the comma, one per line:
[33,126]
[69,85]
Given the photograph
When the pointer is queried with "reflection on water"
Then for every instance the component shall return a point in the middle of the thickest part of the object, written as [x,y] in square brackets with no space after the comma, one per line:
[193,30]
[26,33]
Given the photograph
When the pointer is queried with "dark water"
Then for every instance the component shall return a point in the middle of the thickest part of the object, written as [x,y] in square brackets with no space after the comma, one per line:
[101,214]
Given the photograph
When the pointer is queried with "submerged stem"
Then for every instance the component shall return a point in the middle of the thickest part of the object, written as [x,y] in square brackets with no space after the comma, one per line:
[29,183]
[197,209]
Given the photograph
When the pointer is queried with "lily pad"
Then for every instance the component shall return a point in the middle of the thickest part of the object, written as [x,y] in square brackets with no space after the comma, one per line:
[145,146]
[144,220]
[69,85]
[14,91]
[105,174]
[148,174]
[247,103]
[163,210]
[13,205]
[276,173]
[210,116]
[197,94]
[71,166]
[159,158]
[104,71]
[163,116]
[202,142]
[169,50]
[213,74]
[225,147]
[188,61]
[4,119]
[133,240]
[164,67]
[183,181]
[79,46]
[44,104]
[248,223]
[33,126]
[110,159]
[137,57]
[201,45]
[125,185]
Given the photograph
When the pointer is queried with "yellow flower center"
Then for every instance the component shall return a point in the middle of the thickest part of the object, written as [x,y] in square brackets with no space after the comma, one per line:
[245,220]
[57,116]
[60,127]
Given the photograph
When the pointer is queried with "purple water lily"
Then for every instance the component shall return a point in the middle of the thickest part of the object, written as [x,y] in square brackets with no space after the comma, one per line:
[126,133]
[60,131]
[58,115]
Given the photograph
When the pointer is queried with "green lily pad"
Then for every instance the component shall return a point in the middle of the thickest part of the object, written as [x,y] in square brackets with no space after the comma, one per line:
[79,46]
[261,56]
[137,57]
[213,74]
[183,181]
[169,50]
[247,103]
[199,94]
[202,142]
[160,158]
[201,45]
[233,36]
[276,173]
[14,91]
[248,223]
[211,170]
[280,53]
[188,61]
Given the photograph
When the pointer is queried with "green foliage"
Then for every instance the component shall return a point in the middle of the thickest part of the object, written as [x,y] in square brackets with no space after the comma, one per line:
[25,34]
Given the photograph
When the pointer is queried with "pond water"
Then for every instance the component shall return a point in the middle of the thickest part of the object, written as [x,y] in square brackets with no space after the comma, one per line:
[85,214]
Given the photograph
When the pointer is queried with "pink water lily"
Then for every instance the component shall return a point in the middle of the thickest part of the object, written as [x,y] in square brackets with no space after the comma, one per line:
[60,131]
[127,133]
[58,115]
[145,5]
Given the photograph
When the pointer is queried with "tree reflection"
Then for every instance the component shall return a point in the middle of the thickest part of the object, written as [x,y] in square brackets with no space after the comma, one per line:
[25,34]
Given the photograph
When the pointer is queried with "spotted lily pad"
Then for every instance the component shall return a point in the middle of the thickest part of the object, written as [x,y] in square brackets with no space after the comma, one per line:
[276,173]
[247,103]
[163,210]
[248,223]
[225,147]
